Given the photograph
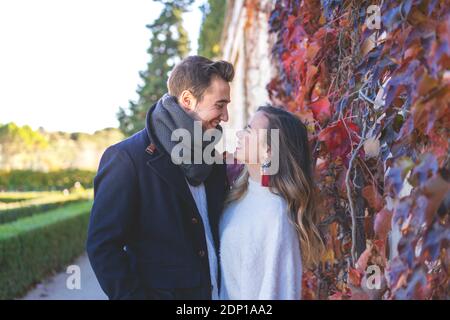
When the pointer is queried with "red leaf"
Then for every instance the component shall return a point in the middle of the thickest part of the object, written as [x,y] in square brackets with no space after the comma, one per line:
[354,277]
[312,50]
[359,294]
[311,72]
[382,224]
[337,139]
[373,197]
[337,296]
[361,265]
[321,109]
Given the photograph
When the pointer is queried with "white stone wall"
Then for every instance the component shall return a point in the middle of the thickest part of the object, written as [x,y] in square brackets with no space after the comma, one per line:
[245,43]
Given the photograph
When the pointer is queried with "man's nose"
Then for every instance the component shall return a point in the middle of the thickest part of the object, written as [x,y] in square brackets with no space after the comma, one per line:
[224,116]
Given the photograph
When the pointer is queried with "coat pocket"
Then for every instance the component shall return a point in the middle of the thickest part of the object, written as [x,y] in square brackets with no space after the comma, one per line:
[170,277]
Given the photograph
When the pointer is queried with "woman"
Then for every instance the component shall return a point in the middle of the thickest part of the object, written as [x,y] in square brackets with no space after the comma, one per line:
[269,233]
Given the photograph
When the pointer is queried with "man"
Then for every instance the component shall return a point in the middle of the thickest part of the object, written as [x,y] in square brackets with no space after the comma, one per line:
[153,231]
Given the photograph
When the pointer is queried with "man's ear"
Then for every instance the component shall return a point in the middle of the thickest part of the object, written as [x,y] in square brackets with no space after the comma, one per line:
[187,100]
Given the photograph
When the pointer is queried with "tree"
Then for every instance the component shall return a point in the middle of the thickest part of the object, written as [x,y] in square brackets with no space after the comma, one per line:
[24,148]
[211,29]
[169,44]
[15,140]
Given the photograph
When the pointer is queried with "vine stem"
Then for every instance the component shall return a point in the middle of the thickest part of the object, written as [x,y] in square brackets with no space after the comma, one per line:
[349,191]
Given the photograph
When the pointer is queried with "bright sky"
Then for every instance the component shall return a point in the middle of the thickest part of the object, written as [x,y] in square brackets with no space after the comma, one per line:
[69,64]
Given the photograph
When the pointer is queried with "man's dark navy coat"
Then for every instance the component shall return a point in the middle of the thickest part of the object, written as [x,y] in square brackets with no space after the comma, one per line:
[146,238]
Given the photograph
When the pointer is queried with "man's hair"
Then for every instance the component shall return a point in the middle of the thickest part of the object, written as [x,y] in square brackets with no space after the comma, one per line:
[195,73]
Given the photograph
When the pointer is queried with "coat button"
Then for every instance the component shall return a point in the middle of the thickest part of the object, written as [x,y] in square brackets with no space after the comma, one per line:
[194,220]
[201,253]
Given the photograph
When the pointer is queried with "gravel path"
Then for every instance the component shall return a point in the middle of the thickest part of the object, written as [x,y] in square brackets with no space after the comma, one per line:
[55,288]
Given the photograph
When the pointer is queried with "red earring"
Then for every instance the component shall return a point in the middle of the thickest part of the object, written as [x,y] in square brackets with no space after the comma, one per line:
[264,174]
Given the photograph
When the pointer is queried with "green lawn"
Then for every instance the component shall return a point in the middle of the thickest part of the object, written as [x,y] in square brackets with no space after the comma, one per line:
[40,204]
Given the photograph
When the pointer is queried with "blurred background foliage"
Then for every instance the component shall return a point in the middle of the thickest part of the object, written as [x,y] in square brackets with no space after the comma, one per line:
[22,148]
[168,45]
[211,29]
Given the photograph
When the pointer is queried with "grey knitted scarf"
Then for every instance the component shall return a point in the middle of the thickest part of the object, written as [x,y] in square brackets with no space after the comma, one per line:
[167,116]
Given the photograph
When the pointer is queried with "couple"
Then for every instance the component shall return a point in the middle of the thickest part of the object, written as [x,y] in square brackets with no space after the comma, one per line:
[160,230]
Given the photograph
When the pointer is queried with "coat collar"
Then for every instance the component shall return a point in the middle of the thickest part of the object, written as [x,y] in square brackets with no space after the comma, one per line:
[159,160]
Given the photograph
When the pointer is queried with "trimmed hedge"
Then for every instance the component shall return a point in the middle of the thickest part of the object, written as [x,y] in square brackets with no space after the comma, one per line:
[11,200]
[27,180]
[34,247]
[16,213]
[12,196]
